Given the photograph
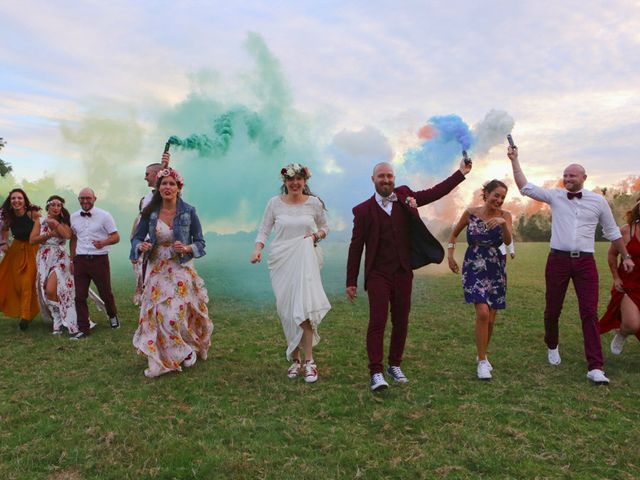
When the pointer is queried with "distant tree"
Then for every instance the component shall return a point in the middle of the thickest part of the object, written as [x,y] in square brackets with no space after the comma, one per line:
[533,228]
[4,166]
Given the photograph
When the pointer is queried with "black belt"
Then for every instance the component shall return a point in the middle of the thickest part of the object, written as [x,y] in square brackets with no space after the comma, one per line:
[571,254]
[91,257]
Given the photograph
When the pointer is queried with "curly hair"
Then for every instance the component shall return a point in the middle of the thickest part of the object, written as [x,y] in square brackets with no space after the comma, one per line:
[8,215]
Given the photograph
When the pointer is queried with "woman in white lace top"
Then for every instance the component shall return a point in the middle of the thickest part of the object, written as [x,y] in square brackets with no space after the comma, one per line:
[299,221]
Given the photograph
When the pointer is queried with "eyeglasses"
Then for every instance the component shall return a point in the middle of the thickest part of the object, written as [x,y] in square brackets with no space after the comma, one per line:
[85,198]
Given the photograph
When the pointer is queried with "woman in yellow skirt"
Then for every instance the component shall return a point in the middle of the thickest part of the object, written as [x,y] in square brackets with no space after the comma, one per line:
[18,296]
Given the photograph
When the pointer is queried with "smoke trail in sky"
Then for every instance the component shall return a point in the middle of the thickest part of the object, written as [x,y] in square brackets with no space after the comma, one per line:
[444,139]
[224,126]
[491,131]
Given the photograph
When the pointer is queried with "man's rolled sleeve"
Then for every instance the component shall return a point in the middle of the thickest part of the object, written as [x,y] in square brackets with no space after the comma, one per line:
[537,193]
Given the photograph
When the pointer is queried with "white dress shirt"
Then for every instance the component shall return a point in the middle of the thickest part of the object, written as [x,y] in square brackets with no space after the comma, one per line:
[386,208]
[87,229]
[574,222]
[146,200]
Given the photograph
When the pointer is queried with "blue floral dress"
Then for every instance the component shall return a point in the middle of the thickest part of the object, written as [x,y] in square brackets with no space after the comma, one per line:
[484,279]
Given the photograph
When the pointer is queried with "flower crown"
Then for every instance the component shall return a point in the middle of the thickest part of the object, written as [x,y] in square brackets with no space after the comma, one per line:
[294,169]
[170,172]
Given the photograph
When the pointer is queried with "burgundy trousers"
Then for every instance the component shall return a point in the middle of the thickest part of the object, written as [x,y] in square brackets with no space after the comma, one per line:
[560,269]
[85,269]
[386,290]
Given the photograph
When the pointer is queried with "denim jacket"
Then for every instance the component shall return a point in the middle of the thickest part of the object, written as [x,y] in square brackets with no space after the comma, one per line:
[186,229]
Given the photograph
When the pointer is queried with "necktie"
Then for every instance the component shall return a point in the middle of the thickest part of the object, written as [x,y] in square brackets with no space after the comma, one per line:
[390,198]
[572,195]
[85,214]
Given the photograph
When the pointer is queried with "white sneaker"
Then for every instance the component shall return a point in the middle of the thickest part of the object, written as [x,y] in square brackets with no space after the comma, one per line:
[310,372]
[553,354]
[294,369]
[484,370]
[487,360]
[190,360]
[378,382]
[92,324]
[597,377]
[617,343]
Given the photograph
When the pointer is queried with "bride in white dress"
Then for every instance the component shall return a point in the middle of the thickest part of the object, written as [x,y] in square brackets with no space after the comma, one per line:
[294,260]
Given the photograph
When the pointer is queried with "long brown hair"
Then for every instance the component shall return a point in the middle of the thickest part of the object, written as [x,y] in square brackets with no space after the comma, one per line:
[8,215]
[633,215]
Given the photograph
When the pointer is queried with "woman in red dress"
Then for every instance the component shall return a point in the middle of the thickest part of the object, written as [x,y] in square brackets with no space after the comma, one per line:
[623,311]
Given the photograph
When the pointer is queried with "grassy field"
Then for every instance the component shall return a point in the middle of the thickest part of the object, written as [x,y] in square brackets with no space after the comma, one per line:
[85,411]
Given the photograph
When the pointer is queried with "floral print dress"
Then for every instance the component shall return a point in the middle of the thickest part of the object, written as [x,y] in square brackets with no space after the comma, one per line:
[484,279]
[51,258]
[174,320]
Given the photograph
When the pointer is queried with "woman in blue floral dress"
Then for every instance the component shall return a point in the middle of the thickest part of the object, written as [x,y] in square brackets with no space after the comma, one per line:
[484,279]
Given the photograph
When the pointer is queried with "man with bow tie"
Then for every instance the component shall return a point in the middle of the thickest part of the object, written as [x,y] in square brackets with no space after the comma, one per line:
[575,213]
[93,230]
[397,241]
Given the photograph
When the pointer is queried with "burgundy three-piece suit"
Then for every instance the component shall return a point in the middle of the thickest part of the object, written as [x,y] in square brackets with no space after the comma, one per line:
[395,245]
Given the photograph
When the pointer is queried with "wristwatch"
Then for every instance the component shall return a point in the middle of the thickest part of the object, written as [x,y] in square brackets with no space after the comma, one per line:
[627,256]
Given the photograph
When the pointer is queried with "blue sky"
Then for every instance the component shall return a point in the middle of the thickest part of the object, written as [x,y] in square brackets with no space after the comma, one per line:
[373,72]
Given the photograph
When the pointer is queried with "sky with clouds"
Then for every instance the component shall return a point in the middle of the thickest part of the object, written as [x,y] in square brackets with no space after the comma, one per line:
[88,88]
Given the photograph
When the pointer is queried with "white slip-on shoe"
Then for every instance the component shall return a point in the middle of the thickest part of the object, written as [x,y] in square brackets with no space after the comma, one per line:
[553,354]
[617,343]
[484,373]
[487,359]
[597,377]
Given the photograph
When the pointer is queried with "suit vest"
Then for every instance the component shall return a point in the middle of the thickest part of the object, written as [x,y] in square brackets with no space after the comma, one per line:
[393,244]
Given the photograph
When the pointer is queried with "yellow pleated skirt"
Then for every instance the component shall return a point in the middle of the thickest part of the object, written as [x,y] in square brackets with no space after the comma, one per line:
[18,296]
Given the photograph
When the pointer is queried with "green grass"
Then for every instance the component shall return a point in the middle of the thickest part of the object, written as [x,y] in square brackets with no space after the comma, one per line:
[84,410]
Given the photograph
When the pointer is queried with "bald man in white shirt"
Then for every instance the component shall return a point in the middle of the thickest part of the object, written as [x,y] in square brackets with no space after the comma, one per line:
[575,214]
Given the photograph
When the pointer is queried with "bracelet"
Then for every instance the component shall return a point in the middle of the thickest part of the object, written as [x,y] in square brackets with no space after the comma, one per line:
[627,256]
[451,245]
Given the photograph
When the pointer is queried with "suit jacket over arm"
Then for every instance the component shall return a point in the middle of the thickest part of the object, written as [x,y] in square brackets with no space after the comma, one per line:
[425,248]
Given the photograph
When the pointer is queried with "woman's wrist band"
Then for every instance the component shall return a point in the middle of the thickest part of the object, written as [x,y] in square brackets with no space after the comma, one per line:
[451,245]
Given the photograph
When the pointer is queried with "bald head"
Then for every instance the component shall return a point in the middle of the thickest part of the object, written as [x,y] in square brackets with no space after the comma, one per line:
[382,164]
[87,198]
[574,177]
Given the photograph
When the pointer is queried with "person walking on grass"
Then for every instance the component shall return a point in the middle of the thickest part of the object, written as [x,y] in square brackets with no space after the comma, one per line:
[396,240]
[54,281]
[18,296]
[623,312]
[174,328]
[484,278]
[575,213]
[298,218]
[94,230]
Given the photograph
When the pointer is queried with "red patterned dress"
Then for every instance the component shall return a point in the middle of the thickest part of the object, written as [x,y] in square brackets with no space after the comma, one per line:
[630,283]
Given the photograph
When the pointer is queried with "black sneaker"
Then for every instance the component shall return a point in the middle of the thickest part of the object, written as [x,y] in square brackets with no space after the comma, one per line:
[114,322]
[397,374]
[24,324]
[79,336]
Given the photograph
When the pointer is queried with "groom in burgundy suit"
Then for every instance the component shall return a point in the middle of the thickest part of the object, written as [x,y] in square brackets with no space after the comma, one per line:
[397,241]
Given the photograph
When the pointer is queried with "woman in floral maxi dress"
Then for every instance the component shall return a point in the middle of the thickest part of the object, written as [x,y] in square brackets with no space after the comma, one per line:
[174,326]
[54,281]
[484,279]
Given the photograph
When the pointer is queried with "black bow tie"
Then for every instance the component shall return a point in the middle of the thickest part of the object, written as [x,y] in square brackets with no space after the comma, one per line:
[85,214]
[572,195]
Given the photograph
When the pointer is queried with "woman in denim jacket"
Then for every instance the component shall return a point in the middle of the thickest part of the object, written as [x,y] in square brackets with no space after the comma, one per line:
[174,326]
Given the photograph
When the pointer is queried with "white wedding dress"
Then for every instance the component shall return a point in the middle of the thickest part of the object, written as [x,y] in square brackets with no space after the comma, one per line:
[294,265]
